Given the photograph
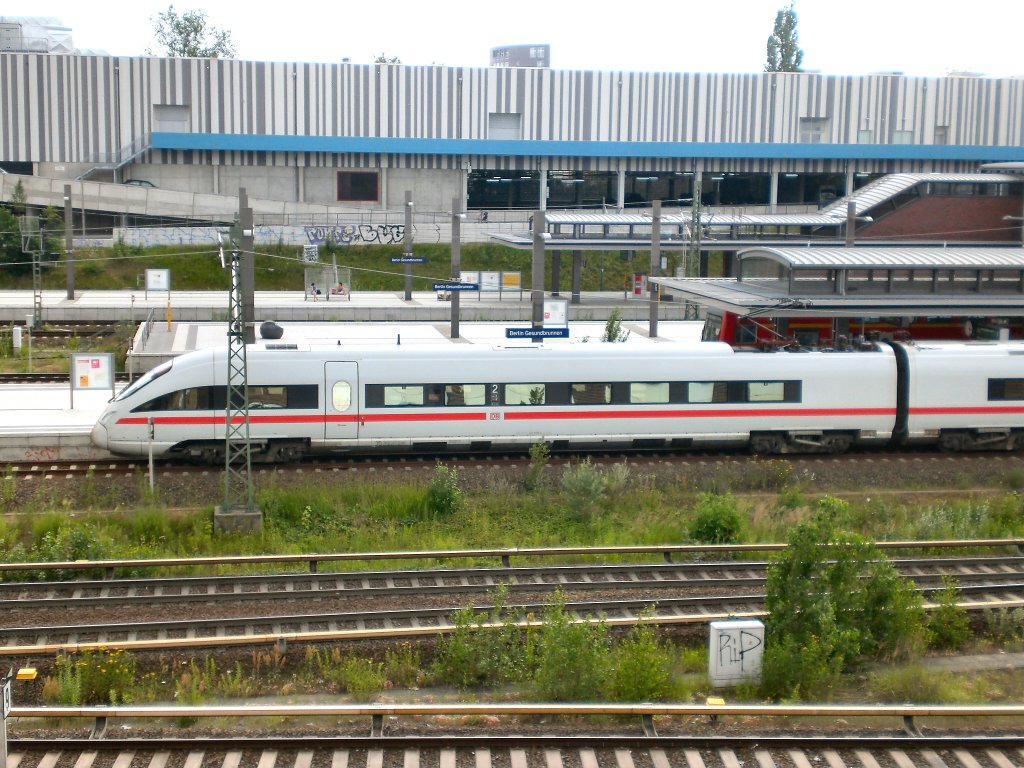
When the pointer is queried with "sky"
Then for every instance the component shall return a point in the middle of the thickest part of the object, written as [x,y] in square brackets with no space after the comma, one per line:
[914,37]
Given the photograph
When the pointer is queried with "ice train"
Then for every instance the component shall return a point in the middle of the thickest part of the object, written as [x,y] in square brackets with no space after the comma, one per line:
[321,399]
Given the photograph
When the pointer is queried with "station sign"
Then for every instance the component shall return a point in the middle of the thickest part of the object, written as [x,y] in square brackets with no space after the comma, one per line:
[92,370]
[536,333]
[408,259]
[456,286]
[158,280]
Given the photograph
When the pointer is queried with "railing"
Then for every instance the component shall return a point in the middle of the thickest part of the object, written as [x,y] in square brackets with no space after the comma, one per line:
[504,554]
[646,712]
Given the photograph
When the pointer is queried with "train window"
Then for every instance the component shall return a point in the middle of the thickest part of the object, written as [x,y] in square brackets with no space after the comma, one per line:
[150,376]
[194,399]
[434,394]
[707,392]
[268,397]
[403,395]
[524,394]
[766,392]
[649,392]
[591,394]
[465,394]
[341,395]
[1006,389]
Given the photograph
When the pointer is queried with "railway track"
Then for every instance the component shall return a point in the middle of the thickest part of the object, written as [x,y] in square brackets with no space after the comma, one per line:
[664,594]
[116,467]
[524,751]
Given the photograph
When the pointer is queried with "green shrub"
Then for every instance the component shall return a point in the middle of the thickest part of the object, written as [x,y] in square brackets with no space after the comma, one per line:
[540,457]
[363,678]
[570,659]
[640,668]
[948,623]
[716,519]
[1005,626]
[916,685]
[583,486]
[832,600]
[444,496]
[403,666]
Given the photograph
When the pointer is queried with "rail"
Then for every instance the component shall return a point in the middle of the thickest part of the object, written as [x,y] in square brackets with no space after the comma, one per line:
[504,554]
[646,712]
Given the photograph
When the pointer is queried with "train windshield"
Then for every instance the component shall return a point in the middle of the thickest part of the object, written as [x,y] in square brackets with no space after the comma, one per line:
[139,383]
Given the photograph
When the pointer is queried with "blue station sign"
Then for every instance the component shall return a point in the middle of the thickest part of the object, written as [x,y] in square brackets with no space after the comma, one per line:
[408,259]
[456,286]
[536,333]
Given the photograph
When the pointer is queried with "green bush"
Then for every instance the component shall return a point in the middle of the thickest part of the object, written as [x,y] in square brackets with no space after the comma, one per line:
[948,623]
[640,668]
[403,666]
[831,601]
[1005,626]
[583,486]
[570,659]
[444,496]
[363,678]
[915,684]
[716,519]
[540,457]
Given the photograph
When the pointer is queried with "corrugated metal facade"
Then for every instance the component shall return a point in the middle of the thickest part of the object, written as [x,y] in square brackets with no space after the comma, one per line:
[60,108]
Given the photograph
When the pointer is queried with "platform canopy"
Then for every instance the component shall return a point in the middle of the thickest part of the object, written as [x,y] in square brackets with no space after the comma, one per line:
[890,257]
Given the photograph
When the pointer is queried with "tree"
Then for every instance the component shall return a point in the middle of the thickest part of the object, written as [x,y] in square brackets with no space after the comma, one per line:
[189,35]
[784,54]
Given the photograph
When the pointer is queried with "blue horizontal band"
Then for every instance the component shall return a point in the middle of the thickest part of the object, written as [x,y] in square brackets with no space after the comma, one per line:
[229,142]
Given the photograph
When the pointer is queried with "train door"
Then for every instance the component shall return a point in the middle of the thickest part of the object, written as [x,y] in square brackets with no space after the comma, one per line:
[341,388]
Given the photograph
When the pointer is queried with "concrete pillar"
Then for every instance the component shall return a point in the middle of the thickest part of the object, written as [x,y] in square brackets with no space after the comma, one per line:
[620,191]
[652,289]
[457,216]
[773,192]
[577,276]
[537,273]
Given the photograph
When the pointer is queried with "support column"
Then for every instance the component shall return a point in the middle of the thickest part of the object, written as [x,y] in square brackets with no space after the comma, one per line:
[543,192]
[773,192]
[408,244]
[620,191]
[537,273]
[248,269]
[652,289]
[457,216]
[69,245]
[577,276]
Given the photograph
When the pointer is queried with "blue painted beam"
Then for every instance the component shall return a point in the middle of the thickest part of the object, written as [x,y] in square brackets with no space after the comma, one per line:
[526,148]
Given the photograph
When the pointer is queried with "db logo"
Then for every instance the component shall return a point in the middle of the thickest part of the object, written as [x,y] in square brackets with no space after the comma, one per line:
[494,416]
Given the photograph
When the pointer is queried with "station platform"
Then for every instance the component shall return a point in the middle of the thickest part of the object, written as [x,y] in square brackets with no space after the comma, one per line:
[39,423]
[381,306]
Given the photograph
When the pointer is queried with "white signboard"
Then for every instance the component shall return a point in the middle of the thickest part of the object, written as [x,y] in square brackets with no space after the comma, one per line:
[735,652]
[556,313]
[92,370]
[311,254]
[158,279]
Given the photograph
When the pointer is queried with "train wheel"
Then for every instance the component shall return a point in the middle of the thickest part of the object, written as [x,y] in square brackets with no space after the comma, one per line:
[766,445]
[837,443]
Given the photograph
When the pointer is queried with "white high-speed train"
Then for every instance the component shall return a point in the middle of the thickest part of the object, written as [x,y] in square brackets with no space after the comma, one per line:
[322,399]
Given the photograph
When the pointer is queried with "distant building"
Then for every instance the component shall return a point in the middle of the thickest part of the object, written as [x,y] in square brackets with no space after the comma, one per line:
[35,34]
[521,56]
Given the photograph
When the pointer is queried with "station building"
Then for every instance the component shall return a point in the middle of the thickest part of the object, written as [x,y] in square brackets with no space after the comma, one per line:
[360,136]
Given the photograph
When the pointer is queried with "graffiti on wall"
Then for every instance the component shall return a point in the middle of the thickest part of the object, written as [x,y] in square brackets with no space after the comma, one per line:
[366,234]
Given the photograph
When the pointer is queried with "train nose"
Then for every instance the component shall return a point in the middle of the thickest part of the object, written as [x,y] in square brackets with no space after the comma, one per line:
[99,436]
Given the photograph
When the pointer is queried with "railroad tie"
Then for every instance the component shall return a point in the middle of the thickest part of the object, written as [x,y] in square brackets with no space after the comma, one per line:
[764,758]
[624,758]
[901,758]
[935,761]
[966,758]
[730,760]
[799,758]
[231,760]
[835,761]
[447,758]
[304,759]
[1000,759]
[588,759]
[482,758]
[517,757]
[552,759]
[339,759]
[375,758]
[124,760]
[85,760]
[866,758]
[411,758]
[160,760]
[194,760]
[693,758]
[268,759]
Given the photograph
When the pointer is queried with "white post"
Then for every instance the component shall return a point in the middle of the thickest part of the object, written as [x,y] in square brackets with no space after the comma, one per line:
[152,433]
